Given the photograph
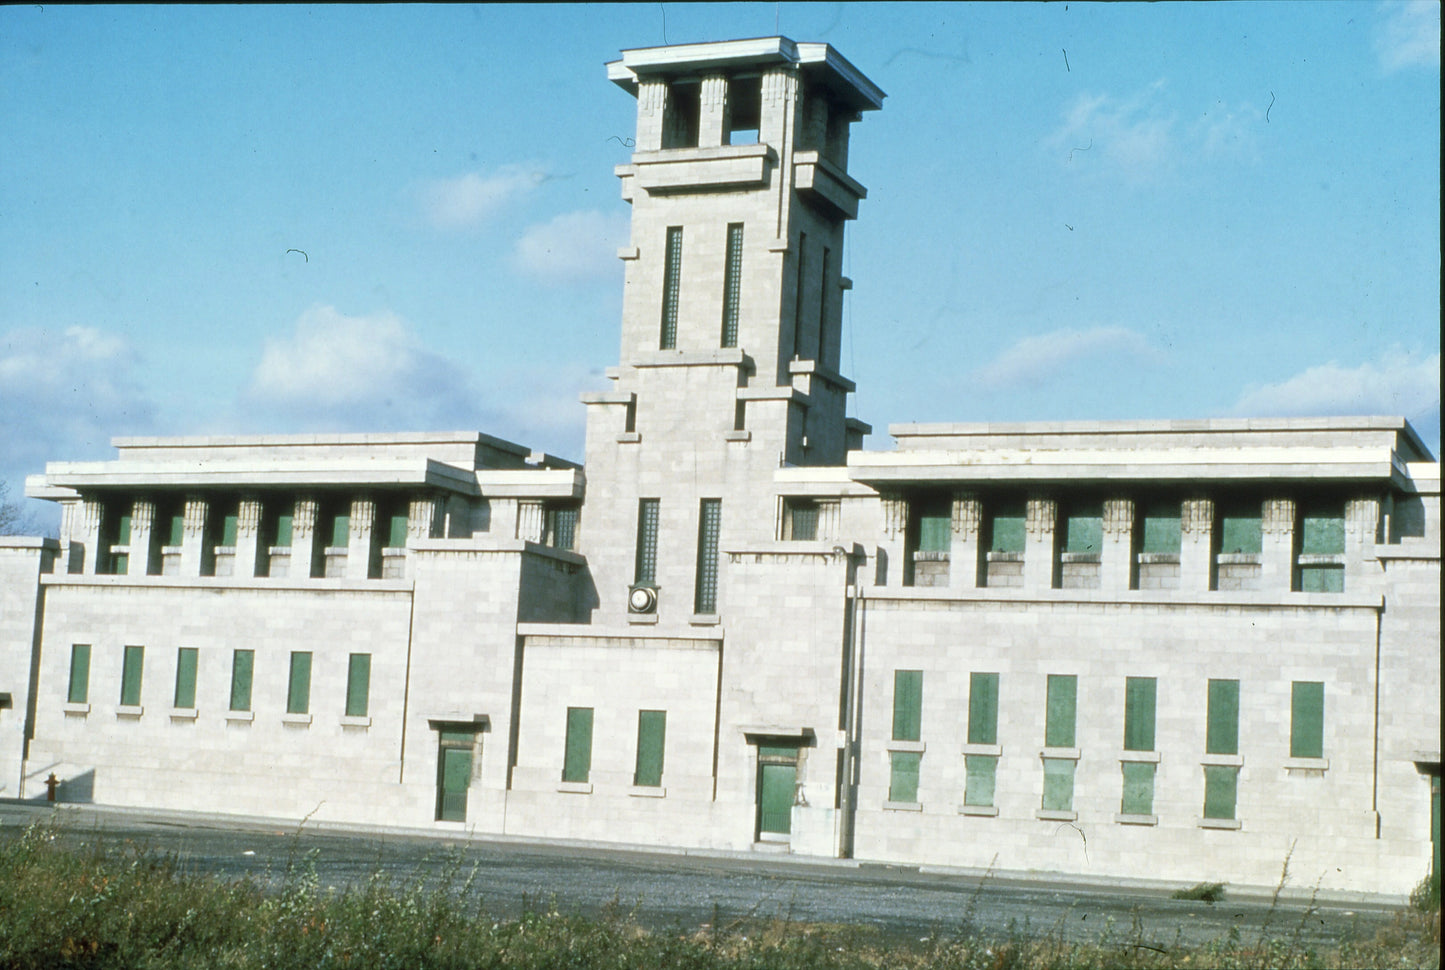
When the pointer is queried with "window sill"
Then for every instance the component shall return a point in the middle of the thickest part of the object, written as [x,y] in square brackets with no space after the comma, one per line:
[737,436]
[930,555]
[184,713]
[296,719]
[1056,815]
[704,619]
[1123,819]
[647,791]
[987,750]
[1004,557]
[1307,764]
[1237,559]
[628,252]
[982,811]
[79,710]
[642,618]
[1151,757]
[1060,754]
[629,438]
[241,716]
[1223,760]
[914,747]
[1158,558]
[1086,557]
[1320,559]
[1231,824]
[902,806]
[129,710]
[348,720]
[575,787]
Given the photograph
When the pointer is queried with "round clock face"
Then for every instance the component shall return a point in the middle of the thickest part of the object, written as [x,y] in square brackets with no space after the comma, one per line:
[641,599]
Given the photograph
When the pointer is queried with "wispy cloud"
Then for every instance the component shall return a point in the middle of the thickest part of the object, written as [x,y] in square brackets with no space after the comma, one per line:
[1033,360]
[1398,384]
[468,200]
[574,246]
[1408,35]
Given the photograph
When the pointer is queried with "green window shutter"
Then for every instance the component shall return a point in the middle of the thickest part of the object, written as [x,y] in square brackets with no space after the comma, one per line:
[186,658]
[284,524]
[981,771]
[243,663]
[1059,784]
[1063,692]
[651,741]
[935,531]
[709,526]
[230,526]
[1322,579]
[175,529]
[1140,697]
[298,687]
[396,530]
[122,530]
[903,776]
[1161,533]
[79,692]
[1221,791]
[645,567]
[130,678]
[1307,719]
[358,685]
[1240,531]
[577,762]
[1322,532]
[341,529]
[732,285]
[1007,532]
[907,705]
[120,563]
[1223,733]
[983,708]
[671,285]
[1138,788]
[1084,529]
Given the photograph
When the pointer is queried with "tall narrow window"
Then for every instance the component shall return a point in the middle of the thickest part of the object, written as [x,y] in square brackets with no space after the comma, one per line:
[358,685]
[823,290]
[1139,704]
[560,527]
[79,691]
[577,760]
[644,570]
[708,525]
[907,705]
[115,545]
[1307,719]
[130,676]
[1223,725]
[1320,540]
[185,677]
[298,686]
[799,288]
[732,285]
[651,741]
[243,665]
[981,769]
[1062,706]
[671,286]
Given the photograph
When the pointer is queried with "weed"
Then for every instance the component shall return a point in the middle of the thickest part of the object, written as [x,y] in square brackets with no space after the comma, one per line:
[1209,892]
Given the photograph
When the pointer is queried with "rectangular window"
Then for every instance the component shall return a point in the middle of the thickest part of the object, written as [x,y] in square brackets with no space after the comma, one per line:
[1223,730]
[644,571]
[1059,784]
[1140,695]
[186,658]
[561,527]
[1160,532]
[903,775]
[983,708]
[907,705]
[1221,791]
[671,286]
[1240,531]
[1084,528]
[396,532]
[1062,706]
[800,520]
[358,685]
[577,761]
[298,685]
[1307,719]
[935,523]
[732,285]
[230,528]
[651,742]
[130,676]
[1138,788]
[79,692]
[979,786]
[708,526]
[173,528]
[1006,531]
[338,532]
[1321,532]
[278,532]
[243,664]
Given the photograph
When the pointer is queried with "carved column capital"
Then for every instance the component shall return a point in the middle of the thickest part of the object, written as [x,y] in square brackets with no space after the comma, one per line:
[967,512]
[1196,516]
[303,522]
[248,516]
[142,515]
[1278,516]
[1362,516]
[1118,516]
[195,514]
[651,95]
[895,514]
[529,520]
[363,513]
[1040,515]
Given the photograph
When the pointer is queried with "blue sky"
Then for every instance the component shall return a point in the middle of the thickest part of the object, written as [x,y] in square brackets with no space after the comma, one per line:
[247,219]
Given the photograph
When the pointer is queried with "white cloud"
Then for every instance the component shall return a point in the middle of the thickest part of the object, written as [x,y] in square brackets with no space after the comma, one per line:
[1033,360]
[1133,134]
[468,200]
[338,372]
[1408,35]
[1398,384]
[573,246]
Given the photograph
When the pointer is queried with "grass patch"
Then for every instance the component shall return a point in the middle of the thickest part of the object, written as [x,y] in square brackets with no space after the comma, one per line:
[1209,892]
[98,908]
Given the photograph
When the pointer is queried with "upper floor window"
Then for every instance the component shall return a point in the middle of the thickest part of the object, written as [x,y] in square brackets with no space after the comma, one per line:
[681,117]
[671,286]
[644,570]
[560,526]
[732,285]
[745,101]
[1320,541]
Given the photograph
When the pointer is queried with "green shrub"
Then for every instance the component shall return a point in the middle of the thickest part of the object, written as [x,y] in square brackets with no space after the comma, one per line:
[1209,892]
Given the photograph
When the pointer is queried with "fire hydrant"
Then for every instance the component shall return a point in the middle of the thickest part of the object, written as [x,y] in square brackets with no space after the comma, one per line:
[51,784]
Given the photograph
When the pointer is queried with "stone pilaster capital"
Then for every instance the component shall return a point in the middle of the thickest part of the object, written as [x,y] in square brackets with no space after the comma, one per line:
[142,514]
[90,519]
[651,95]
[1196,516]
[303,523]
[967,512]
[1277,516]
[363,512]
[895,514]
[195,514]
[1118,516]
[780,84]
[1362,516]
[248,516]
[1040,515]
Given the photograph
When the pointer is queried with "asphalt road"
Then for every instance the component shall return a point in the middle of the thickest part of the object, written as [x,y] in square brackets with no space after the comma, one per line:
[665,891]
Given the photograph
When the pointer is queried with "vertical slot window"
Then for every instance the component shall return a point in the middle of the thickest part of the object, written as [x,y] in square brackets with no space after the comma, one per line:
[358,685]
[644,572]
[1222,734]
[577,759]
[907,705]
[708,527]
[130,677]
[732,285]
[651,743]
[1307,719]
[186,662]
[1320,538]
[243,665]
[824,290]
[298,684]
[671,286]
[79,688]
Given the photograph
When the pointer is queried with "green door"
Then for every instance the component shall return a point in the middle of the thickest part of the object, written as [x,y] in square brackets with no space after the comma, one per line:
[775,798]
[454,775]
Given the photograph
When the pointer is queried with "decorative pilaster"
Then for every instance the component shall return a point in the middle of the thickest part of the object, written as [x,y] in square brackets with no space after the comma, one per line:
[363,556]
[651,110]
[1196,543]
[963,552]
[144,554]
[91,555]
[713,112]
[251,560]
[303,537]
[889,569]
[1116,557]
[895,514]
[424,518]
[529,520]
[1276,559]
[1040,553]
[195,551]
[1363,525]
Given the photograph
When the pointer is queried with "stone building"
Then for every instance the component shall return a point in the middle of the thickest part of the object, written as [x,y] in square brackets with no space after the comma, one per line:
[1168,649]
